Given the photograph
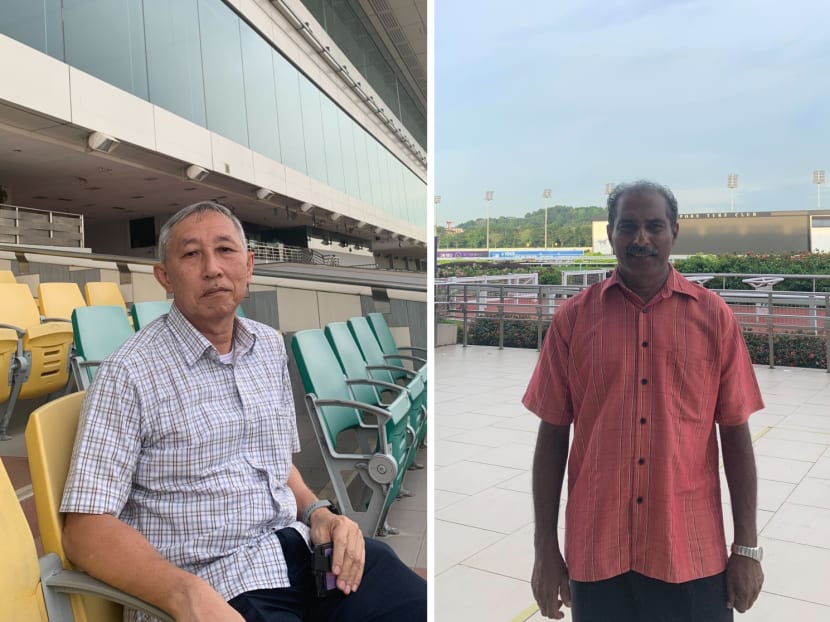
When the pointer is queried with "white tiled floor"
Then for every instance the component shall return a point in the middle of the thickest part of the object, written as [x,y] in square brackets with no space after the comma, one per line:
[483,515]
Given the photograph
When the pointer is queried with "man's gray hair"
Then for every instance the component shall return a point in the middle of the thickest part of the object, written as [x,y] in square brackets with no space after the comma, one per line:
[202,207]
[639,187]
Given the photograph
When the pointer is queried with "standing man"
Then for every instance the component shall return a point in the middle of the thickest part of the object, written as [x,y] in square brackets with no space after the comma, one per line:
[182,489]
[643,365]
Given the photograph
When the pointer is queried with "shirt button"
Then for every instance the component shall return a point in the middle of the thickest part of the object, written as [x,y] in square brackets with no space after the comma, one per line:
[642,421]
[641,461]
[645,344]
[643,381]
[639,499]
[645,310]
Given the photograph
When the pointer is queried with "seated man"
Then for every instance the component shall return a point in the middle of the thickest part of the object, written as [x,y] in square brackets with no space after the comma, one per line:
[182,489]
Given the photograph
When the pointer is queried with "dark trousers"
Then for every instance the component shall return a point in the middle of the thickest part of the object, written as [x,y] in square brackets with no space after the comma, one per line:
[632,597]
[389,591]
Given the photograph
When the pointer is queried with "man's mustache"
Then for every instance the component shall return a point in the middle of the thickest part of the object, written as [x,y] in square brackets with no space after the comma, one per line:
[636,249]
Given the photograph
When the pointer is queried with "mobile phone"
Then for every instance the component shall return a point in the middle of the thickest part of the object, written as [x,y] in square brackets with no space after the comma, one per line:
[324,579]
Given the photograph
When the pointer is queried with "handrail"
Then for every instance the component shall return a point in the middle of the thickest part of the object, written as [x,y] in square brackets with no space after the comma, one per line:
[340,275]
[800,314]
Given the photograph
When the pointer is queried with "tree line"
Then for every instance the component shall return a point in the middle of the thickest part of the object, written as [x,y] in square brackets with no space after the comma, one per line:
[567,226]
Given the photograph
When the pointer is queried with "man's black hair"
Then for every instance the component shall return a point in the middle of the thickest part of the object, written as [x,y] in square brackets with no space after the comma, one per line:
[638,187]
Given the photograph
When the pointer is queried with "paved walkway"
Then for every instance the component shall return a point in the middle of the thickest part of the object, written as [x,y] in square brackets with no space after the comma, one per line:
[484,441]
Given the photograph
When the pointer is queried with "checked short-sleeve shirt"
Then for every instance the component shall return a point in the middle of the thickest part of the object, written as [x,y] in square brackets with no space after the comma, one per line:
[192,452]
[643,386]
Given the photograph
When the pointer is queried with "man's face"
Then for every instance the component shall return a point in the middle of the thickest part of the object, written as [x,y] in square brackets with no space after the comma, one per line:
[642,237]
[207,269]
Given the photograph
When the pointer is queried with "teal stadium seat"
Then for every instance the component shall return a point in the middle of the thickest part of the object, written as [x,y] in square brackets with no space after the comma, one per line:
[377,458]
[99,331]
[415,354]
[145,312]
[354,366]
[379,367]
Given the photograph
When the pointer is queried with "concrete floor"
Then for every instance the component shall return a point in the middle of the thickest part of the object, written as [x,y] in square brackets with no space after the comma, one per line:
[483,512]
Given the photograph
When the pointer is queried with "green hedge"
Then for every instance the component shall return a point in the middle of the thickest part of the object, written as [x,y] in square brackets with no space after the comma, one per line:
[791,350]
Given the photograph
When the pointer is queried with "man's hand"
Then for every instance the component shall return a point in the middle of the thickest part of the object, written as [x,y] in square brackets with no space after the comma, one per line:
[550,583]
[348,553]
[744,579]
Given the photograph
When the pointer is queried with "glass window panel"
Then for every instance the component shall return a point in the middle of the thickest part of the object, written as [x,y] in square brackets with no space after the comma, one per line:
[36,24]
[396,182]
[222,67]
[289,113]
[174,58]
[350,172]
[105,38]
[363,174]
[331,142]
[260,95]
[315,150]
[385,186]
[374,174]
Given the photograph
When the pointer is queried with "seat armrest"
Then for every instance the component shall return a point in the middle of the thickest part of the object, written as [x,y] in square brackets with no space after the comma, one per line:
[57,583]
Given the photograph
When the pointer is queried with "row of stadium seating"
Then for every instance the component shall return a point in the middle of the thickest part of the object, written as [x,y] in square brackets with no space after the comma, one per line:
[334,365]
[37,342]
[353,385]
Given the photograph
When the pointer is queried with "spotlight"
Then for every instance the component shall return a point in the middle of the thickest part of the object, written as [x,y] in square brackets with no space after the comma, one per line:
[196,173]
[99,141]
[305,207]
[360,224]
[263,194]
[335,216]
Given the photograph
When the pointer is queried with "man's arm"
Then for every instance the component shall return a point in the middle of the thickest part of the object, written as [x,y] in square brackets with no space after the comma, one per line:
[112,551]
[744,575]
[550,574]
[348,553]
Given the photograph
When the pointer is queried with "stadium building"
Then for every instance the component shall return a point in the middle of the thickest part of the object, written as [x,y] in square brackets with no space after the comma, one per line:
[307,118]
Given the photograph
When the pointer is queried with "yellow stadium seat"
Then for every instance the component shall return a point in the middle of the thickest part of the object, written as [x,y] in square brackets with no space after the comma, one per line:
[104,293]
[39,590]
[8,349]
[7,276]
[56,301]
[41,362]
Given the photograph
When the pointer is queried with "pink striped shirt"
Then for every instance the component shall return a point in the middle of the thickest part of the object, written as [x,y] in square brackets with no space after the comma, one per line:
[643,385]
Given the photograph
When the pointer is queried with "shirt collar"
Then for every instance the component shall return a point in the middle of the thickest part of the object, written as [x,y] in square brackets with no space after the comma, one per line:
[676,283]
[194,344]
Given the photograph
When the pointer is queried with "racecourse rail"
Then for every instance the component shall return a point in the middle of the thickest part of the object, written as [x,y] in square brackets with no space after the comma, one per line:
[760,311]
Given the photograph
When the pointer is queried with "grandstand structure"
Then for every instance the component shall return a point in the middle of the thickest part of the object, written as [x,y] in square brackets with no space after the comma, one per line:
[113,116]
[307,118]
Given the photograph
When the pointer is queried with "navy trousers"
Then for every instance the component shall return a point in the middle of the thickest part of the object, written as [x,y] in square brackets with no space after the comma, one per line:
[388,592]
[633,597]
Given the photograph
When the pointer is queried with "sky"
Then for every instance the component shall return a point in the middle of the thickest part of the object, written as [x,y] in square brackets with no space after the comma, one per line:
[573,94]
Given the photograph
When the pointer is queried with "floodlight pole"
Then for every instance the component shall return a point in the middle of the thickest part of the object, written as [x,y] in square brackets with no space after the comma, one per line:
[732,183]
[818,180]
[488,196]
[546,196]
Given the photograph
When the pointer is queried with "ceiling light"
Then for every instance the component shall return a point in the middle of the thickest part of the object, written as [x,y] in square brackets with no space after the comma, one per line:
[335,216]
[196,173]
[360,224]
[305,207]
[98,141]
[264,194]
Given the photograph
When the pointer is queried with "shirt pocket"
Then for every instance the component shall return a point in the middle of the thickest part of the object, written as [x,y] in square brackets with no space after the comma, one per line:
[689,386]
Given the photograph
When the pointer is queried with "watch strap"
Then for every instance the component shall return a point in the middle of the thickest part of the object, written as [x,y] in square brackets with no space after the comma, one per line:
[320,503]
[753,552]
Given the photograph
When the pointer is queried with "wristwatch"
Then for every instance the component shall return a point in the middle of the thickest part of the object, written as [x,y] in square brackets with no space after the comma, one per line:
[753,552]
[320,503]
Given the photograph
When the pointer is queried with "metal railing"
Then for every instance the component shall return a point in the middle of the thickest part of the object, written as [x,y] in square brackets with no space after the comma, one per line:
[774,315]
[280,253]
[37,227]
